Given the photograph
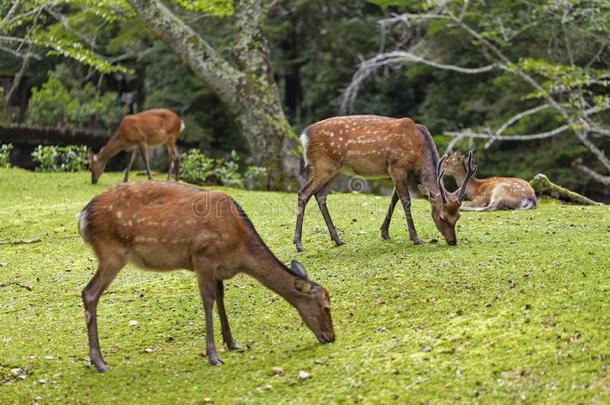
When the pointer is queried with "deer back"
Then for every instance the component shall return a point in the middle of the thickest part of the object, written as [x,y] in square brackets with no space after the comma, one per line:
[364,145]
[152,127]
[163,225]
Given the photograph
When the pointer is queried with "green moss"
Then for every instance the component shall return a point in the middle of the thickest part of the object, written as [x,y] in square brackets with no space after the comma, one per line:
[518,311]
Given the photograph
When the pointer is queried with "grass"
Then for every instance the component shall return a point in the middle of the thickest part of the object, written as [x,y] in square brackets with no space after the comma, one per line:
[519,311]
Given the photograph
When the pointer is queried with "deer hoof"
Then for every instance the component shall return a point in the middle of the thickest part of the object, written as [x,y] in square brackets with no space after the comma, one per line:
[301,249]
[417,241]
[339,242]
[215,361]
[102,368]
[234,346]
[385,235]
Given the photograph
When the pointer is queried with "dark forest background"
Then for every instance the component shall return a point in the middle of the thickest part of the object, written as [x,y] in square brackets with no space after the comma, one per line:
[315,48]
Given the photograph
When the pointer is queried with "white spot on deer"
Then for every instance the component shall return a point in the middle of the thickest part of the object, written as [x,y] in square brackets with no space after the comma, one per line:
[119,214]
[110,207]
[95,158]
[130,223]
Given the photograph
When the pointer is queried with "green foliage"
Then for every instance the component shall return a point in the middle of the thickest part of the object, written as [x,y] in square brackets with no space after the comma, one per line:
[218,8]
[62,101]
[255,178]
[227,171]
[196,168]
[515,313]
[60,158]
[5,153]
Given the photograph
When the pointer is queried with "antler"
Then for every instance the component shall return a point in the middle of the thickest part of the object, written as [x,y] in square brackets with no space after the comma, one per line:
[471,170]
[439,179]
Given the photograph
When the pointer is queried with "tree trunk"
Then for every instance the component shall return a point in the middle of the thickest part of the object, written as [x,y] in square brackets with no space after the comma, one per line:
[248,90]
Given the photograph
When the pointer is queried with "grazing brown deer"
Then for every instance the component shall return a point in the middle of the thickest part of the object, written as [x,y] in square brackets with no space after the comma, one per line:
[495,193]
[138,131]
[375,146]
[165,226]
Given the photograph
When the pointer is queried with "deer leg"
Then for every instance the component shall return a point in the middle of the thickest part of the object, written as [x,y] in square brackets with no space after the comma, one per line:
[144,152]
[177,163]
[321,196]
[385,227]
[132,157]
[400,185]
[477,207]
[207,291]
[106,271]
[304,195]
[227,337]
[171,159]
[309,189]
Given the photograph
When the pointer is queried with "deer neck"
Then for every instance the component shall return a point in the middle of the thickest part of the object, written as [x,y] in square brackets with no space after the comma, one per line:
[473,184]
[269,271]
[427,175]
[108,151]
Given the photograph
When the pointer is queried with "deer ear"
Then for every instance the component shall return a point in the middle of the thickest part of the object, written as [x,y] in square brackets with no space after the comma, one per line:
[298,269]
[303,286]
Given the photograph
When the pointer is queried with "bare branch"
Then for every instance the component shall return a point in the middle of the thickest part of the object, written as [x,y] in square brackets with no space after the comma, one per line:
[600,130]
[517,117]
[19,54]
[453,142]
[601,156]
[369,66]
[529,137]
[595,175]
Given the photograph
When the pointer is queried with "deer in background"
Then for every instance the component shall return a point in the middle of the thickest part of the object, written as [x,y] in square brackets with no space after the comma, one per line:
[495,193]
[374,146]
[138,131]
[166,226]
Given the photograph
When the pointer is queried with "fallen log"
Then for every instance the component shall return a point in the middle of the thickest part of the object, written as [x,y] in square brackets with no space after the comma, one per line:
[546,188]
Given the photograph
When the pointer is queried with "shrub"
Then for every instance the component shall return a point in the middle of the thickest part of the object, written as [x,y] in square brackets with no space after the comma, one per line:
[227,171]
[196,167]
[5,152]
[60,158]
[255,178]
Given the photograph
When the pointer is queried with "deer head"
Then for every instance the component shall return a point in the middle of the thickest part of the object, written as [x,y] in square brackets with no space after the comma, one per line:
[455,164]
[446,205]
[313,304]
[96,167]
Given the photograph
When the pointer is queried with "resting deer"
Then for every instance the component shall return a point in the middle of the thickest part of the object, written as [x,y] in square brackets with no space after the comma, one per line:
[138,131]
[164,226]
[374,146]
[495,193]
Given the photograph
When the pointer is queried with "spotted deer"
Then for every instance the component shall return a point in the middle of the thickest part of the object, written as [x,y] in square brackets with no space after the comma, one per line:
[164,226]
[495,193]
[138,131]
[377,147]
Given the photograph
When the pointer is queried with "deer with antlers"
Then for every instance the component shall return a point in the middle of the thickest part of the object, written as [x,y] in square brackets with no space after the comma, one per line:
[374,146]
[165,226]
[495,193]
[138,131]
